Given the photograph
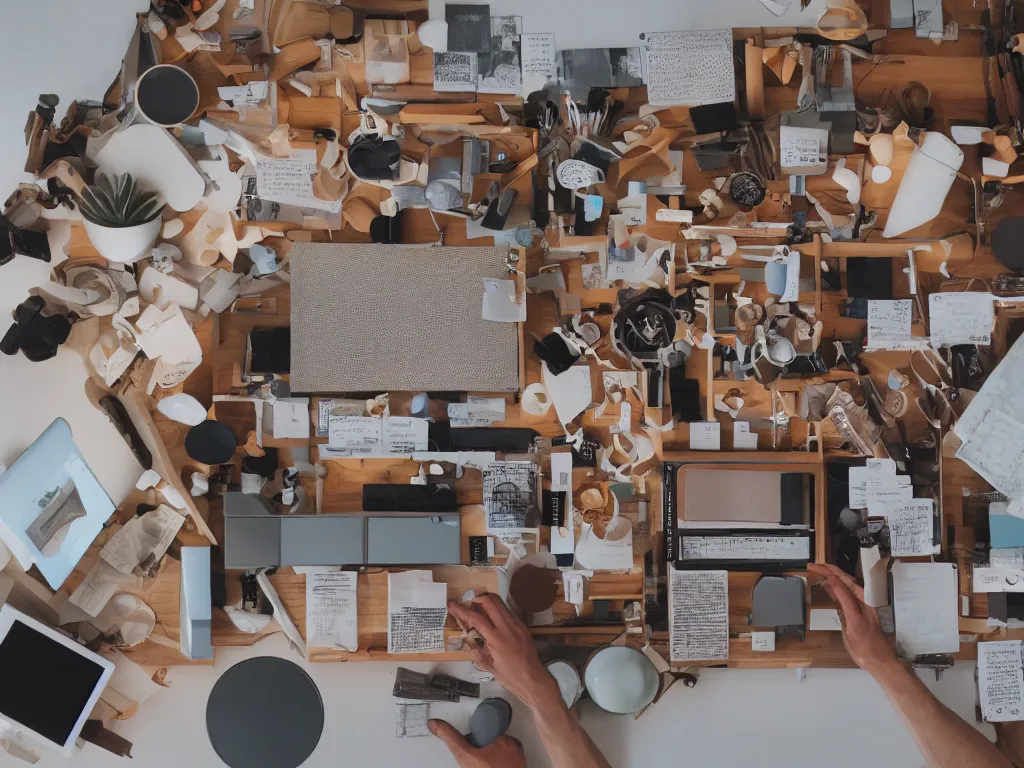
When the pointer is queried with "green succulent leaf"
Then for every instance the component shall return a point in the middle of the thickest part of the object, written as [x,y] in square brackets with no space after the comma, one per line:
[119,202]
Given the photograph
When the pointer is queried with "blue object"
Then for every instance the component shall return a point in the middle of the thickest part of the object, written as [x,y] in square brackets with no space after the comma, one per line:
[196,603]
[1005,530]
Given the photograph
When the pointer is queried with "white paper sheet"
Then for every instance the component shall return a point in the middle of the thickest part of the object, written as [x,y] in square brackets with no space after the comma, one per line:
[699,615]
[417,609]
[991,166]
[168,336]
[763,642]
[889,323]
[705,436]
[336,407]
[362,435]
[997,579]
[995,450]
[960,318]
[746,547]
[967,134]
[1001,681]
[743,439]
[289,181]
[563,539]
[803,147]
[1010,557]
[499,302]
[689,68]
[858,488]
[911,526]
[249,95]
[331,610]
[571,391]
[538,53]
[1002,393]
[925,604]
[102,583]
[286,418]
[477,411]
[825,620]
[572,586]
[142,540]
[405,434]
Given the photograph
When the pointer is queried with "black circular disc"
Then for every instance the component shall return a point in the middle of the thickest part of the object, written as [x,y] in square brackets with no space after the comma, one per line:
[211,442]
[264,713]
[1008,243]
[167,95]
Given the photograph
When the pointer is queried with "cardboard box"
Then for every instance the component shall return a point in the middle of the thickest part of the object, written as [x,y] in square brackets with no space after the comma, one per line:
[293,20]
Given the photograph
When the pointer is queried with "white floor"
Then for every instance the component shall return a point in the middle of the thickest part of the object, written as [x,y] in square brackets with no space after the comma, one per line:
[766,718]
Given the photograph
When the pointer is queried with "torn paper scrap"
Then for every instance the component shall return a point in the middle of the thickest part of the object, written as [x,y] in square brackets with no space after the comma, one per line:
[417,609]
[143,541]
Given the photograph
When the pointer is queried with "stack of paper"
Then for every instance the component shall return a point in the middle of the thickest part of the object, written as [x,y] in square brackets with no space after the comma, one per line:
[417,609]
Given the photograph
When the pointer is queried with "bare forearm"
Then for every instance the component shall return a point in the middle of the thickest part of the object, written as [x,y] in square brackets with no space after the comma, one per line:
[945,740]
[567,744]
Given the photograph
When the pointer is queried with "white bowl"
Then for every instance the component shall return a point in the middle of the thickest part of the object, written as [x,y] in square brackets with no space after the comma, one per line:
[124,244]
[621,680]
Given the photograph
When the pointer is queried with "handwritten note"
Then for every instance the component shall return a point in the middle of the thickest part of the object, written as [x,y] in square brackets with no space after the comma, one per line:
[889,324]
[538,51]
[359,434]
[1008,557]
[705,436]
[689,68]
[331,610]
[912,528]
[960,318]
[477,411]
[289,181]
[995,450]
[746,548]
[802,147]
[1001,681]
[763,642]
[699,621]
[405,434]
[925,608]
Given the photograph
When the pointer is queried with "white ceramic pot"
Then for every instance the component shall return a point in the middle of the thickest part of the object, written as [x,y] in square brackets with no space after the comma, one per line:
[123,244]
[621,680]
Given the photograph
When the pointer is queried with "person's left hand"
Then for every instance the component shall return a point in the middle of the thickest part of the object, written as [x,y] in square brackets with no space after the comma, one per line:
[505,752]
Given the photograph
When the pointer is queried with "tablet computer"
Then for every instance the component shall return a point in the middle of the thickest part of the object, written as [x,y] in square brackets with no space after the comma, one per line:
[50,682]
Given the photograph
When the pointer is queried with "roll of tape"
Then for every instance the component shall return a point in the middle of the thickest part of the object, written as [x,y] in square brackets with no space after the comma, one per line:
[536,400]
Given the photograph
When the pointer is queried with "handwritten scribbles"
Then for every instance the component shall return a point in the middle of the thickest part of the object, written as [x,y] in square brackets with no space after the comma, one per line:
[417,609]
[510,496]
[1001,681]
[538,55]
[912,527]
[746,548]
[689,68]
[331,610]
[576,174]
[889,324]
[699,622]
[289,181]
[362,435]
[805,148]
[455,71]
[960,318]
[405,434]
[411,720]
[500,68]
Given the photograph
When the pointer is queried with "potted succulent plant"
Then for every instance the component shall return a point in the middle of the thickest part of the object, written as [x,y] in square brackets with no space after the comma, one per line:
[122,220]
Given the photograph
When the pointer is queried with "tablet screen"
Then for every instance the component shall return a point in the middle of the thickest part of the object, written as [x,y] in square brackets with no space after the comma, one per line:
[45,684]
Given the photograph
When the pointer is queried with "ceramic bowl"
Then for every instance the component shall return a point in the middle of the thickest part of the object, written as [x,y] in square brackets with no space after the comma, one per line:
[621,680]
[123,244]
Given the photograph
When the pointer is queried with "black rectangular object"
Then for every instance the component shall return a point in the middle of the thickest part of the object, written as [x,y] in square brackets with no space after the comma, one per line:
[668,510]
[392,497]
[45,685]
[553,513]
[271,350]
[868,277]
[503,439]
[685,395]
[478,550]
[469,28]
[714,118]
[655,385]
[792,497]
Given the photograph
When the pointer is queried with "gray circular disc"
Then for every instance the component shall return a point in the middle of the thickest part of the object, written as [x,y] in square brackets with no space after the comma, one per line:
[489,722]
[264,713]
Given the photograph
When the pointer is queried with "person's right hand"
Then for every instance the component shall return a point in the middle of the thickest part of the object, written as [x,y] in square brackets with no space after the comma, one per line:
[862,633]
[503,646]
[504,752]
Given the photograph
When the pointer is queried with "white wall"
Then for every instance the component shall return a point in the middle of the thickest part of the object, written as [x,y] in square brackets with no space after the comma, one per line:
[767,718]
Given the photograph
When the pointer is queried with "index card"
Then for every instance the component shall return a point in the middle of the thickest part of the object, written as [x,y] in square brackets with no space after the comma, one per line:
[538,53]
[1001,681]
[889,323]
[960,318]
[331,610]
[705,436]
[289,181]
[925,604]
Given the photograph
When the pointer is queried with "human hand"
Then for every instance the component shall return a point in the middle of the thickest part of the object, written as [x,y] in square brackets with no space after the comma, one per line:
[504,647]
[862,633]
[505,752]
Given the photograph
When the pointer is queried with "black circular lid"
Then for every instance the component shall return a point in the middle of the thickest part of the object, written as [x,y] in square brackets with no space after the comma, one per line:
[264,713]
[167,95]
[211,442]
[747,189]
